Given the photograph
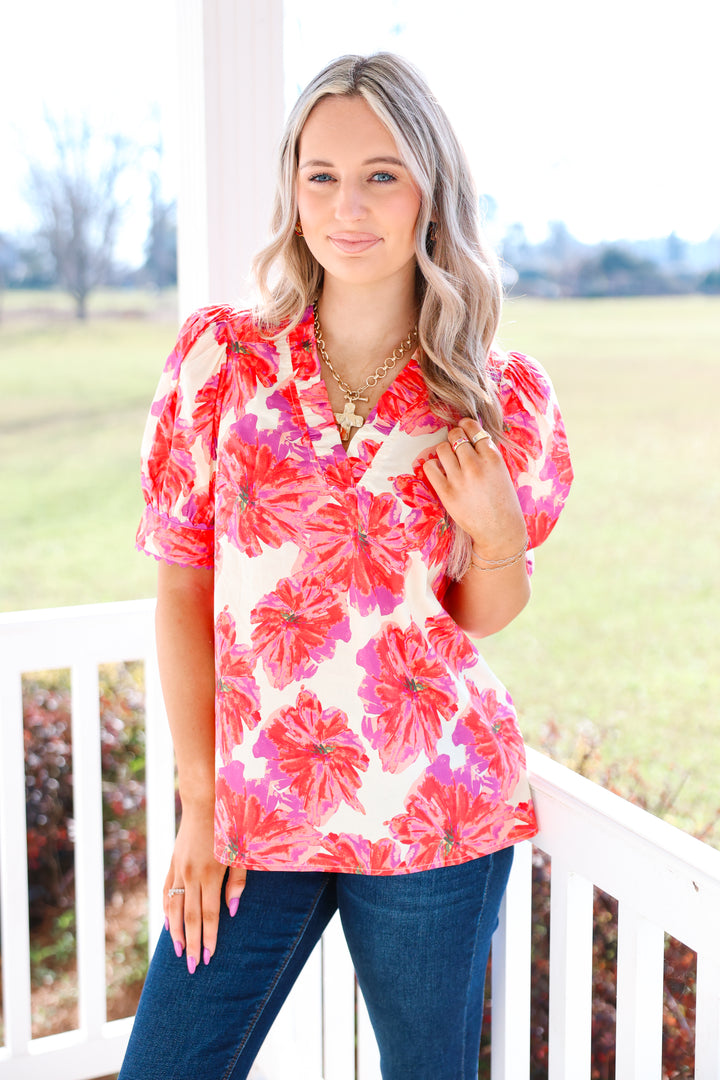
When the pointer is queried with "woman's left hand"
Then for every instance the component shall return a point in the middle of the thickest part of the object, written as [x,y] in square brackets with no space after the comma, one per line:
[472,481]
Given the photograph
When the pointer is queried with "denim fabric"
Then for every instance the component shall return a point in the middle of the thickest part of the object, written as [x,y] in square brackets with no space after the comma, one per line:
[419,943]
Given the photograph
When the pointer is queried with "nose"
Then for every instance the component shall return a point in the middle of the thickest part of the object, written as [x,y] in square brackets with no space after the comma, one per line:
[350,205]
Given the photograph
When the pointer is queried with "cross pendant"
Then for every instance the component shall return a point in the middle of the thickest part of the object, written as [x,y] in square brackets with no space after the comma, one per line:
[347,420]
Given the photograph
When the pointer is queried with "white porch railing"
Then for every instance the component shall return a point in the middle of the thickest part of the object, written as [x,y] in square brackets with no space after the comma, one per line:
[663,880]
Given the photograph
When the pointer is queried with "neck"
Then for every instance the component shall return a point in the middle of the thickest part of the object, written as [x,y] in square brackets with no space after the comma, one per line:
[366,321]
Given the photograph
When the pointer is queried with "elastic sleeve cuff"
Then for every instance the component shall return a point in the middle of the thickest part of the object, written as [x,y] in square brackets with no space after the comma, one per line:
[175,542]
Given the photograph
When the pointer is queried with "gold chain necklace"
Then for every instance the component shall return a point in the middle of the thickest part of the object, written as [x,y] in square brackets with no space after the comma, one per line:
[348,418]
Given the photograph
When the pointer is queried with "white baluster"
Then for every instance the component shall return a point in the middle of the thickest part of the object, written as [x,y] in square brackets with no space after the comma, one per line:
[638,1040]
[511,974]
[571,931]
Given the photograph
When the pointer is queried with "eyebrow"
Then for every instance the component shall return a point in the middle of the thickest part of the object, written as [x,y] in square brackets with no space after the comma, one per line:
[316,163]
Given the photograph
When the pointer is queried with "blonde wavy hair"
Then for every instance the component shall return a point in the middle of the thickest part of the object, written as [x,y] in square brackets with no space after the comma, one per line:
[459,290]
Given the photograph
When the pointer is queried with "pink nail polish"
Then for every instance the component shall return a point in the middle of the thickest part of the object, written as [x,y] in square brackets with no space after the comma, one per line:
[206,956]
[192,964]
[167,923]
[233,905]
[178,949]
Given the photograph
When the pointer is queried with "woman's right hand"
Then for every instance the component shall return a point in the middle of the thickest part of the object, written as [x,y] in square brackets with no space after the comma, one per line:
[192,916]
[185,643]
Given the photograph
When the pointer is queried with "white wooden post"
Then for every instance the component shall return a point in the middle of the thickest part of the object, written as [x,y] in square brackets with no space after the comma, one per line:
[571,932]
[13,861]
[639,996]
[231,111]
[89,860]
[511,974]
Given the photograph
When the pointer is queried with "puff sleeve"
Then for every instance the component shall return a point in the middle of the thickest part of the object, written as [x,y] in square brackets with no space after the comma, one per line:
[179,448]
[537,456]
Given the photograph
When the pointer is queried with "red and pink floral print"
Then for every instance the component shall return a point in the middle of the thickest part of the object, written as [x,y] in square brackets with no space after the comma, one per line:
[297,626]
[358,728]
[407,693]
[237,695]
[312,752]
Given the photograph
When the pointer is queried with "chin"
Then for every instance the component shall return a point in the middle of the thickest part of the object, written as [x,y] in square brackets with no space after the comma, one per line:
[358,271]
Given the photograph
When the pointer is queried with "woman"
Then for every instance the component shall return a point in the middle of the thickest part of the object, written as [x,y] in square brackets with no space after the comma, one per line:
[341,487]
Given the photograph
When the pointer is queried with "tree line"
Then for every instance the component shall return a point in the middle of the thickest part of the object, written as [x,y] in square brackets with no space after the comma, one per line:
[561,265]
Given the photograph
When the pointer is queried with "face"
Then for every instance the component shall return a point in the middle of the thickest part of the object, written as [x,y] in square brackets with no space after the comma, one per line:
[356,200]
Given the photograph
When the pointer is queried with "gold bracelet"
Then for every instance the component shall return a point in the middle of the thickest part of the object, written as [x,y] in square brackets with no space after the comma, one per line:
[500,564]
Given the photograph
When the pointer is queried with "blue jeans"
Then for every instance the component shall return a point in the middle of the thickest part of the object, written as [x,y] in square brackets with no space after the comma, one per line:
[419,943]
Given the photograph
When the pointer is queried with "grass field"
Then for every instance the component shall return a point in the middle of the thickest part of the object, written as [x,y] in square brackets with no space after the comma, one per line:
[622,636]
[621,639]
[74,399]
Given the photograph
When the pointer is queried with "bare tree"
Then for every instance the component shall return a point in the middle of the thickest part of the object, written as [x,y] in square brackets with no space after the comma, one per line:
[76,200]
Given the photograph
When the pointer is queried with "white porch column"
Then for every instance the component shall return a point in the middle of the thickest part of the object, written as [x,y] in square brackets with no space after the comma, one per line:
[231,113]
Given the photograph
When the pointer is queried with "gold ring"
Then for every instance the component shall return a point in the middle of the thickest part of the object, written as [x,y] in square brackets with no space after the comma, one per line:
[481,435]
[458,442]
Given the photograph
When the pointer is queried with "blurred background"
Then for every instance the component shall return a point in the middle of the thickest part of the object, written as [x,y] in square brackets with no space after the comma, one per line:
[587,126]
[592,134]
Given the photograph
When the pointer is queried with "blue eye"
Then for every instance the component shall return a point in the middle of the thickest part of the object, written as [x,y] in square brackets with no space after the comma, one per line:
[320,178]
[383,177]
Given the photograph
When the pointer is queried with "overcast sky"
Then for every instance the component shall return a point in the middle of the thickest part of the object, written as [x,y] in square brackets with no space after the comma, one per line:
[602,115]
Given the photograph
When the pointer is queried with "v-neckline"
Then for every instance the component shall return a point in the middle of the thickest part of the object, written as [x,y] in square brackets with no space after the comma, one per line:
[318,412]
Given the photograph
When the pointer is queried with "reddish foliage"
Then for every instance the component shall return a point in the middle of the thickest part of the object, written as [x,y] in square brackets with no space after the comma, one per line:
[49,783]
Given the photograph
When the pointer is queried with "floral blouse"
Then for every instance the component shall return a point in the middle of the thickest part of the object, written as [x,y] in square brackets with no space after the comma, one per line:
[358,728]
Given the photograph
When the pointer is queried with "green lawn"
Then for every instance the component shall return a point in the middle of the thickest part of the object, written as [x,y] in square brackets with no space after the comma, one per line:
[74,400]
[621,638]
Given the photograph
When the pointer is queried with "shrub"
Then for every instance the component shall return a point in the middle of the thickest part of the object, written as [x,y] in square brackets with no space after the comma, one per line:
[48,789]
[49,783]
[122,720]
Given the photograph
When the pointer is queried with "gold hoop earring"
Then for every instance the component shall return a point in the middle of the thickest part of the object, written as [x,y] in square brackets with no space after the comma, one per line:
[298,229]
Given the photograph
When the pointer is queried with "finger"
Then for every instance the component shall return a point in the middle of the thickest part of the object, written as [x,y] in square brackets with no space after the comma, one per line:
[237,876]
[210,918]
[175,906]
[480,439]
[456,457]
[437,476]
[169,878]
[459,441]
[192,918]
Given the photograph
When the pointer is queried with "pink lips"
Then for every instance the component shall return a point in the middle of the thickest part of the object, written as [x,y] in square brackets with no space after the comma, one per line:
[353,243]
